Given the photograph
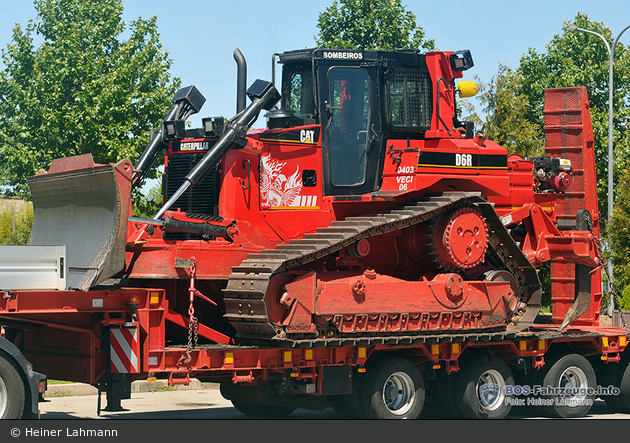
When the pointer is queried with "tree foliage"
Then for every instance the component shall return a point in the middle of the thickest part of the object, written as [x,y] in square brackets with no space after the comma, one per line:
[146,206]
[618,234]
[82,90]
[370,24]
[515,101]
[507,122]
[16,221]
[581,59]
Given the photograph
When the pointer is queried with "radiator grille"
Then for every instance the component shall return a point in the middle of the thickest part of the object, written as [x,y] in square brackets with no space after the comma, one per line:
[200,200]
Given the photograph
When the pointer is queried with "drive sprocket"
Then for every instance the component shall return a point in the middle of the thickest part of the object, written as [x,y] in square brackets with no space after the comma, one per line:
[460,239]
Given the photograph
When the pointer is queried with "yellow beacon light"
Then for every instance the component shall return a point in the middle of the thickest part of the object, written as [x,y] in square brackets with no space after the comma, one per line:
[467,89]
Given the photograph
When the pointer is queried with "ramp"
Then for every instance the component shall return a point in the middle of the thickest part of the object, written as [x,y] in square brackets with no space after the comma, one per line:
[569,134]
[83,207]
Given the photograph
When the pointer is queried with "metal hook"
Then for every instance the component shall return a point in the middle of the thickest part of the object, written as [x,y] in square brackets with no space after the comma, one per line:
[249,171]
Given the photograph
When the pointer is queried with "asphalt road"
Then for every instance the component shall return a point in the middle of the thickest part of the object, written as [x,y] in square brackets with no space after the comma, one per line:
[208,404]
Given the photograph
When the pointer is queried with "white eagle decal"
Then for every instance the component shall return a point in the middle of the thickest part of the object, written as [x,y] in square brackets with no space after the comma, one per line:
[276,190]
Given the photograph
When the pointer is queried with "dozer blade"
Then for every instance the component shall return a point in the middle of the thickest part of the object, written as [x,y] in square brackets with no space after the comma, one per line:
[84,207]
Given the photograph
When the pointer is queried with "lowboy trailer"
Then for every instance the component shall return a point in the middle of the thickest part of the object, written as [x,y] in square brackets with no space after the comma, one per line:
[366,251]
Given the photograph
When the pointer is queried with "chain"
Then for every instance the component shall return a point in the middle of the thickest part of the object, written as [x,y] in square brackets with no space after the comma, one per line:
[193,334]
[193,322]
[611,288]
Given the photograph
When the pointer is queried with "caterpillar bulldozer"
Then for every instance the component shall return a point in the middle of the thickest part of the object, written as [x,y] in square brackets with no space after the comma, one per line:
[365,208]
[365,228]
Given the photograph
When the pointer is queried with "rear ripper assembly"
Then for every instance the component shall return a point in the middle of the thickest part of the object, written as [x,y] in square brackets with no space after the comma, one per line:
[366,250]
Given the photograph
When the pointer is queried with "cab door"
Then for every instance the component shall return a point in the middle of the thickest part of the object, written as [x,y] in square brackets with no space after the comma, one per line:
[351,140]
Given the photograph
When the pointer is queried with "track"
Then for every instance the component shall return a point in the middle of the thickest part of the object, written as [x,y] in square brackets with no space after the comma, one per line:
[244,295]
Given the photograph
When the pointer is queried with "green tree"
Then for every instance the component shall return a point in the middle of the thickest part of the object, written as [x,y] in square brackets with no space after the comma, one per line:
[507,122]
[580,59]
[618,234]
[370,24]
[146,206]
[515,102]
[82,90]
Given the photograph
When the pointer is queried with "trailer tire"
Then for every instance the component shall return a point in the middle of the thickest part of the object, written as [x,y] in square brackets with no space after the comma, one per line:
[393,389]
[445,395]
[568,371]
[618,376]
[12,394]
[624,387]
[480,388]
[270,411]
[352,402]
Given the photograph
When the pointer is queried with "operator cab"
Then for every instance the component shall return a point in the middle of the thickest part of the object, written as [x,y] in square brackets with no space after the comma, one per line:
[361,99]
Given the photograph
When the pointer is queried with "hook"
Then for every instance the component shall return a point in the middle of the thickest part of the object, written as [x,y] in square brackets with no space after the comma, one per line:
[249,171]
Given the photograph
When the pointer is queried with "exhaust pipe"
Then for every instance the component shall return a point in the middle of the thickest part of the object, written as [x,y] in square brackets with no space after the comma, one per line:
[241,81]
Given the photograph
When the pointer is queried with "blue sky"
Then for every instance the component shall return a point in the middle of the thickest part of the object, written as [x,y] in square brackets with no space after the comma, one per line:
[200,36]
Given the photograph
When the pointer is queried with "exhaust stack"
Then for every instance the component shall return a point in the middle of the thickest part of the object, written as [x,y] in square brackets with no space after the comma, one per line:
[241,81]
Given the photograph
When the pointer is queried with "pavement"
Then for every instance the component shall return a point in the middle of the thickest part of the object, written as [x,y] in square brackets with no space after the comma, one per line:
[203,401]
[138,386]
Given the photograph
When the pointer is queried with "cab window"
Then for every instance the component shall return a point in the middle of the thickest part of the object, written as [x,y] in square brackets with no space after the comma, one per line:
[349,122]
[298,93]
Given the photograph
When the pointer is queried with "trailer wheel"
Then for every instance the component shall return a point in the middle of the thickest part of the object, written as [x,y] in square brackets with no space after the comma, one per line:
[393,389]
[574,373]
[270,411]
[480,388]
[11,391]
[618,376]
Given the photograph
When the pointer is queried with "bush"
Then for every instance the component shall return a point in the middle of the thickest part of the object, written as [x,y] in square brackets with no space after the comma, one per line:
[23,215]
[625,300]
[146,206]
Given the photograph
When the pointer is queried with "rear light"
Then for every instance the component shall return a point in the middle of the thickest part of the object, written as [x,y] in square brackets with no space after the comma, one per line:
[43,384]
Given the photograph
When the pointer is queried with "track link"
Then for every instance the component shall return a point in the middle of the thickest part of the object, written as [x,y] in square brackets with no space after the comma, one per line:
[244,295]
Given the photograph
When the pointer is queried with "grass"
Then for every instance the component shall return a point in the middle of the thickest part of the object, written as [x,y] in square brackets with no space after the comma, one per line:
[58,394]
[162,388]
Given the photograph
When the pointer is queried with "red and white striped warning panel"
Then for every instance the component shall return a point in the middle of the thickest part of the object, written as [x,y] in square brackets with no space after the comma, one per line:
[125,351]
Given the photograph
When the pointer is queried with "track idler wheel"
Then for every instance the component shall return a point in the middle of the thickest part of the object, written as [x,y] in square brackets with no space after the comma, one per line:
[461,239]
[275,298]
